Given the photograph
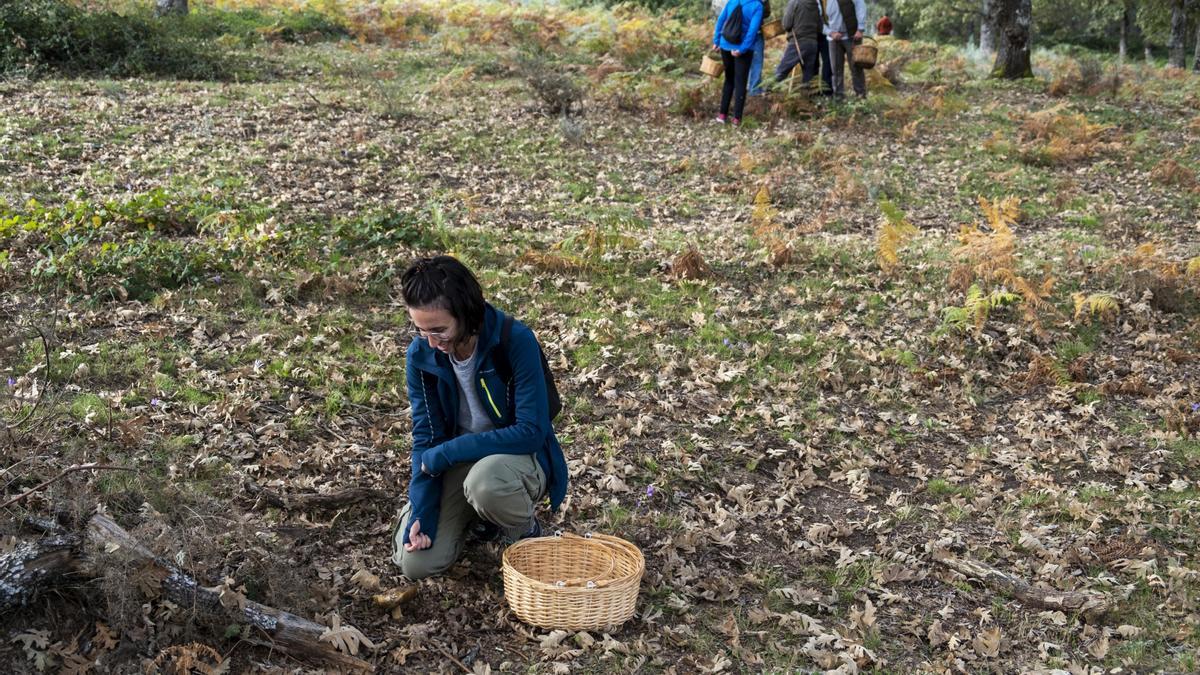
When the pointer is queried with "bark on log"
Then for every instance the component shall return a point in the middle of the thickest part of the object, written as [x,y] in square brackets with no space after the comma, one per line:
[279,630]
[314,500]
[1091,604]
[33,565]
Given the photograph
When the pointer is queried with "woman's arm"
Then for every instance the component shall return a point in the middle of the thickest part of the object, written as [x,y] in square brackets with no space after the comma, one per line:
[424,491]
[721,22]
[750,37]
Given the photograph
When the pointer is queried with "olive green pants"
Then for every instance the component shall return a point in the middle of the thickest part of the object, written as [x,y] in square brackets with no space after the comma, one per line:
[500,489]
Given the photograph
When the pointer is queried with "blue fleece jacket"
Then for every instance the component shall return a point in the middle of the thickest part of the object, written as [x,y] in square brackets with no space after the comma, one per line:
[519,409]
[752,11]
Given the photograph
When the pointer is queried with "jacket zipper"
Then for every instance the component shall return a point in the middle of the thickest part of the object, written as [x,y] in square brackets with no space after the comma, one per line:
[490,400]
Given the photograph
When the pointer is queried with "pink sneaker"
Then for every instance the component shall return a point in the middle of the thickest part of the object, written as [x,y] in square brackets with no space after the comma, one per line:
[737,121]
[719,119]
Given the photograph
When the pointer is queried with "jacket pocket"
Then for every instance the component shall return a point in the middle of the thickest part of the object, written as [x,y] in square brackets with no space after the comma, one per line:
[492,394]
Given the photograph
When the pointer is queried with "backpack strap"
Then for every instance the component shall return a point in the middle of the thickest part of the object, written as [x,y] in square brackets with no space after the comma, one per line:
[500,356]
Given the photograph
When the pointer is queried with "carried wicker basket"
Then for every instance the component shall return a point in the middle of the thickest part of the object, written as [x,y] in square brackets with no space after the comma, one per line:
[571,582]
[711,66]
[865,55]
[772,29]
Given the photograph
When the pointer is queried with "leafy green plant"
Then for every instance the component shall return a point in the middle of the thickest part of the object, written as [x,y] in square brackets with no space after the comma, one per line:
[975,310]
[55,35]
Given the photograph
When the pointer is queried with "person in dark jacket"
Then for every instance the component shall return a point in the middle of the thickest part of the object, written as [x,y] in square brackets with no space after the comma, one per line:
[806,44]
[844,20]
[737,56]
[484,451]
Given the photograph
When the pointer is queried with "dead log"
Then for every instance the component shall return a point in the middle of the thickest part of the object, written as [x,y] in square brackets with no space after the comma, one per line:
[274,628]
[31,566]
[1091,604]
[315,500]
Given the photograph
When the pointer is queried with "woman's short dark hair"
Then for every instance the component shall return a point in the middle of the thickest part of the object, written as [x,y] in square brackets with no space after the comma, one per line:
[442,282]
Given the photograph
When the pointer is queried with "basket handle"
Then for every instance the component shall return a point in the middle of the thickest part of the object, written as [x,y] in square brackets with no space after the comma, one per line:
[583,581]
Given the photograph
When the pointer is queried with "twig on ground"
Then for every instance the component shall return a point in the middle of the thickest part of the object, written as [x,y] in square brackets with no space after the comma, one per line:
[1091,604]
[41,392]
[70,469]
[446,653]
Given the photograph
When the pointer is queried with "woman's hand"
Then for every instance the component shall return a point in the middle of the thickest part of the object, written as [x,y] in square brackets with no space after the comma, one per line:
[835,35]
[858,35]
[736,52]
[716,46]
[417,541]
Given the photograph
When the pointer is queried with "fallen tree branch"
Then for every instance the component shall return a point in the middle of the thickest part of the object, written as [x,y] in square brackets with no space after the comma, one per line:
[1091,604]
[70,469]
[279,630]
[314,500]
[31,566]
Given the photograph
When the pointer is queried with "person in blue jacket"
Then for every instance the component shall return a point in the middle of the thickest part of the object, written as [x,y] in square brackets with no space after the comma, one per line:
[484,451]
[737,56]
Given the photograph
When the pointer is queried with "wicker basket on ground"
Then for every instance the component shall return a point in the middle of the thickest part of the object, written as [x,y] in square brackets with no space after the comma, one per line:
[571,582]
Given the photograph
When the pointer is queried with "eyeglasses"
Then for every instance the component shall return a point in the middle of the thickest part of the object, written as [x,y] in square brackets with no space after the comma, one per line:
[427,335]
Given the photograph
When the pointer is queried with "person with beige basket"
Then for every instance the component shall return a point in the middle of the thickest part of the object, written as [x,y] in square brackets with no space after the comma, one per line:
[735,35]
[484,451]
[844,20]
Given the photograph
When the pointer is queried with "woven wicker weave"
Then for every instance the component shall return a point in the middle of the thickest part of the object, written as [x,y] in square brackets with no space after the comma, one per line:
[572,582]
[711,66]
[772,29]
[864,55]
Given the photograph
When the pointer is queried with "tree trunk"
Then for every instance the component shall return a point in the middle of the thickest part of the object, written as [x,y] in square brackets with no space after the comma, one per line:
[987,29]
[1176,54]
[1148,52]
[1128,26]
[1196,54]
[1012,20]
[162,7]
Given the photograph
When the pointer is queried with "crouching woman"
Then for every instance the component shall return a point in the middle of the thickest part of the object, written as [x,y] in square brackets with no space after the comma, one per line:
[483,447]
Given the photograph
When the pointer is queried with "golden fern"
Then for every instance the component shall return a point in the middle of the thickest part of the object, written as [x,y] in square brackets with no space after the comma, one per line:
[977,307]
[1193,268]
[894,232]
[765,220]
[762,217]
[1104,305]
[988,254]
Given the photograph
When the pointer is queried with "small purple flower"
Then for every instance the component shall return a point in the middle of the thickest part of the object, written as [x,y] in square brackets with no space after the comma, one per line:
[216,278]
[728,343]
[11,383]
[650,490]
[155,402]
[1195,406]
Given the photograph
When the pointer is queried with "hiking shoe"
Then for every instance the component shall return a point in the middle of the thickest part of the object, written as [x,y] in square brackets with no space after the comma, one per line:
[535,530]
[486,531]
[737,121]
[720,119]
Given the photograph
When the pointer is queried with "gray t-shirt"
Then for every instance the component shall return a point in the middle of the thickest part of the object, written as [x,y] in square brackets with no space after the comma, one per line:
[472,416]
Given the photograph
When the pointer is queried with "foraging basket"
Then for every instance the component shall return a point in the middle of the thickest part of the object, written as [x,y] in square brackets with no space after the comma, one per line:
[865,55]
[772,29]
[571,582]
[713,67]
